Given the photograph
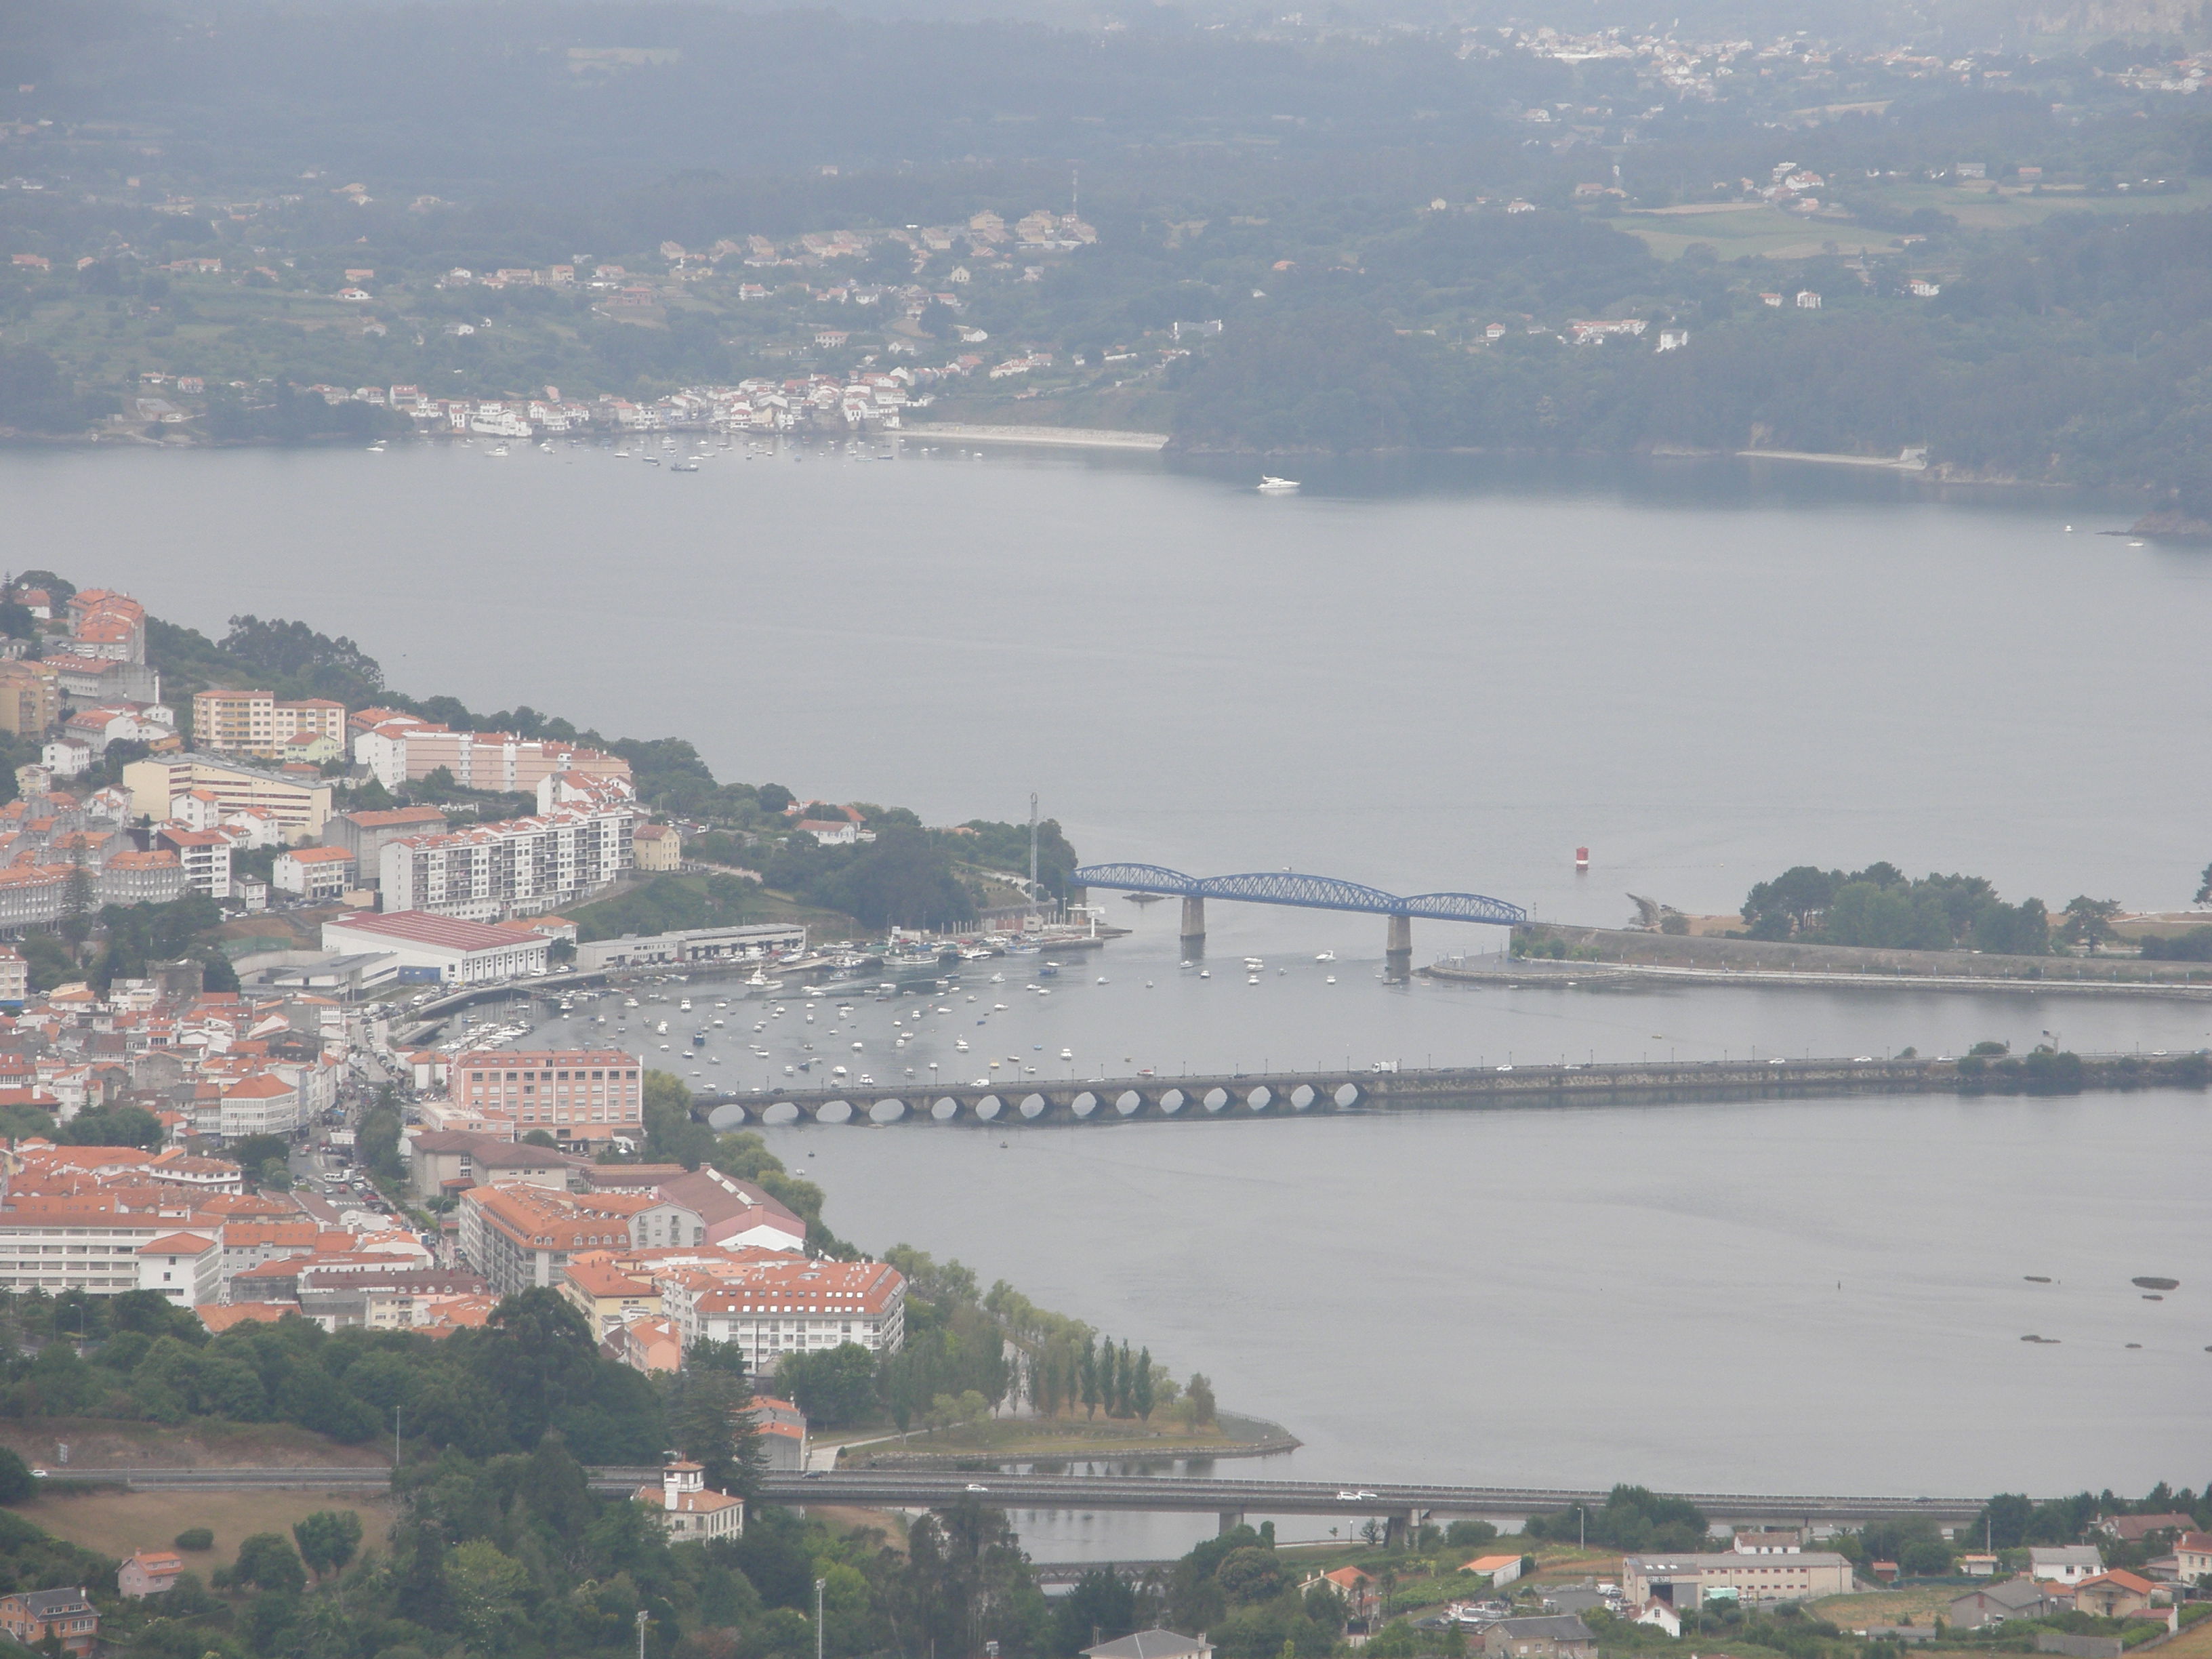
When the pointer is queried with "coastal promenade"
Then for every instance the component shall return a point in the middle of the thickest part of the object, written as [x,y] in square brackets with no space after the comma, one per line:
[1051,437]
[1295,1094]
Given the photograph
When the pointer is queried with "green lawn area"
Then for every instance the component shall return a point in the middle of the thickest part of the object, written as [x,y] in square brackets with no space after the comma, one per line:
[1733,231]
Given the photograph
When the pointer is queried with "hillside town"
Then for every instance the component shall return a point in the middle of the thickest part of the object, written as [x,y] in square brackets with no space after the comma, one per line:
[244,1200]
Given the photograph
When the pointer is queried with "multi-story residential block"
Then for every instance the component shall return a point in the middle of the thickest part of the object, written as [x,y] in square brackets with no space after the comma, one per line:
[30,697]
[298,803]
[515,867]
[87,679]
[313,873]
[608,1296]
[82,1246]
[134,877]
[14,977]
[519,1237]
[363,834]
[442,1163]
[264,1103]
[33,896]
[108,625]
[404,750]
[204,855]
[185,1267]
[772,1303]
[587,1094]
[252,722]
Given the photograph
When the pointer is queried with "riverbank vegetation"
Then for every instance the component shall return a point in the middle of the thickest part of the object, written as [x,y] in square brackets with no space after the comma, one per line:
[1883,908]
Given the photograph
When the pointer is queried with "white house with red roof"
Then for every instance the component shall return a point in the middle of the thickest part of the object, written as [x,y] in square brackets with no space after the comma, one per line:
[687,1511]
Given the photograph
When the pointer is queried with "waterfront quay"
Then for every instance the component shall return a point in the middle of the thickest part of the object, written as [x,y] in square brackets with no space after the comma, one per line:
[1294,1094]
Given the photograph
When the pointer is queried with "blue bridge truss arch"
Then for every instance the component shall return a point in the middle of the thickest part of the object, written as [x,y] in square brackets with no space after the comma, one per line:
[1305,891]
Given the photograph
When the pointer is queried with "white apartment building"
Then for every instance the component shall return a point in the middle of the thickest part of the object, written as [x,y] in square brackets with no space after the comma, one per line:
[262,1104]
[516,868]
[299,806]
[405,749]
[186,1268]
[258,723]
[205,856]
[773,1304]
[313,872]
[94,1251]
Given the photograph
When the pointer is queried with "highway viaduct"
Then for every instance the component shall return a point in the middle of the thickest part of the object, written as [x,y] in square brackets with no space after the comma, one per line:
[1398,1504]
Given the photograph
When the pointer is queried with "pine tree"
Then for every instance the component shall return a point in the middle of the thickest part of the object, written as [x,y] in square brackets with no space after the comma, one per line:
[1110,1384]
[1140,1396]
[1124,1376]
[712,1424]
[1090,1377]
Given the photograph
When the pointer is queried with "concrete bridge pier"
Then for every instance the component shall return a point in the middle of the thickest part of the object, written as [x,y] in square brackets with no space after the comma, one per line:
[1230,1519]
[1397,948]
[1397,1530]
[1193,926]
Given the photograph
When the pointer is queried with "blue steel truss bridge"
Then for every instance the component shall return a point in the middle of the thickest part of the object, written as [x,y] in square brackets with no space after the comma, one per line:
[1301,891]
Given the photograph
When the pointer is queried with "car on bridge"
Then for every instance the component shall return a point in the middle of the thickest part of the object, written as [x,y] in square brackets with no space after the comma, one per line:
[1355,1498]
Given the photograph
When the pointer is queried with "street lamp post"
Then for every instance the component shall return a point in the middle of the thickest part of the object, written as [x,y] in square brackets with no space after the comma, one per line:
[818,1584]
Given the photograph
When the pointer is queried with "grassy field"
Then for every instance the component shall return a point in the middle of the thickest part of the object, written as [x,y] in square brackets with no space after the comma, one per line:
[1918,1605]
[117,1522]
[1733,230]
[2195,1643]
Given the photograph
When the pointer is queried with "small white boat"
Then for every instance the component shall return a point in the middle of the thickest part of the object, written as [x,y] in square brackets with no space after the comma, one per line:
[498,449]
[1331,979]
[684,1007]
[1326,956]
[1067,1054]
[960,1044]
[1270,485]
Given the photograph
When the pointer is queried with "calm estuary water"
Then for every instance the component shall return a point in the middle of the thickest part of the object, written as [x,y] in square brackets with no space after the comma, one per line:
[1421,679]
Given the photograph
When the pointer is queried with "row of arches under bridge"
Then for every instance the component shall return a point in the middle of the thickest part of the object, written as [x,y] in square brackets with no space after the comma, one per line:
[1099,1104]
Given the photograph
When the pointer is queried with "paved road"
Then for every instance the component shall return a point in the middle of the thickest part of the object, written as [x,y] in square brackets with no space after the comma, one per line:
[355,1476]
